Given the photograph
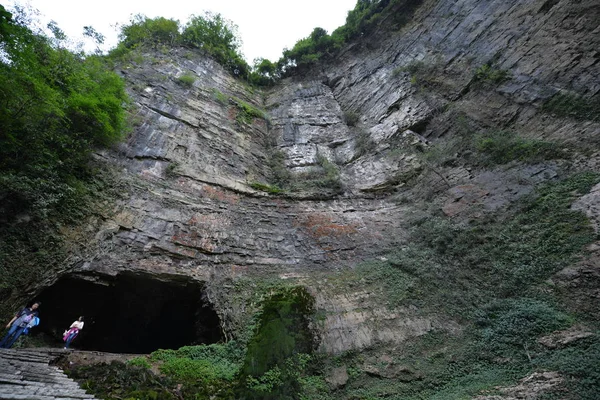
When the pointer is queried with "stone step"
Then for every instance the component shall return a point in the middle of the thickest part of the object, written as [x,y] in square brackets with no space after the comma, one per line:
[27,374]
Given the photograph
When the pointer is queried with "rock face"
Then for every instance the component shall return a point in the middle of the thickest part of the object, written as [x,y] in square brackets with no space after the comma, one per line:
[188,206]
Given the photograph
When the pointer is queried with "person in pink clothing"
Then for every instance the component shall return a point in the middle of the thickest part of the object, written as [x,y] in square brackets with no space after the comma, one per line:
[73,332]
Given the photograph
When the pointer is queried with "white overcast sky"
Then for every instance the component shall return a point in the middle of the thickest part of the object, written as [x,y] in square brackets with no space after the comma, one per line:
[265,26]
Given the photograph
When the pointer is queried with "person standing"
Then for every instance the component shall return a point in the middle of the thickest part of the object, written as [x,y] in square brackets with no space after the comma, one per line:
[73,332]
[18,323]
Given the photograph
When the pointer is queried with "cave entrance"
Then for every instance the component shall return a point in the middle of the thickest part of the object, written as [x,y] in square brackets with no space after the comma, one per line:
[129,313]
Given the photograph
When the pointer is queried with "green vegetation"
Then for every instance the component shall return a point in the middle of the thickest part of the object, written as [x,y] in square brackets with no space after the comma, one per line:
[211,33]
[488,74]
[56,107]
[186,80]
[143,31]
[490,148]
[490,274]
[363,144]
[220,97]
[350,118]
[360,22]
[423,73]
[204,363]
[218,37]
[573,106]
[248,112]
[263,187]
[279,351]
[325,176]
[501,147]
[141,362]
[119,380]
[274,361]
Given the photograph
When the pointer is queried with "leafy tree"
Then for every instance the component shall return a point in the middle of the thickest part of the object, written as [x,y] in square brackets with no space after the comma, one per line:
[144,31]
[217,36]
[360,21]
[264,72]
[55,106]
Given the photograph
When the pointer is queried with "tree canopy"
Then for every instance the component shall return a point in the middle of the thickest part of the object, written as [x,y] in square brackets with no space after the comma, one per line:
[55,107]
[209,32]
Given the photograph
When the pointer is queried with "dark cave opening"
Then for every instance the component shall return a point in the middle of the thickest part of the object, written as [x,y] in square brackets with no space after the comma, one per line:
[129,313]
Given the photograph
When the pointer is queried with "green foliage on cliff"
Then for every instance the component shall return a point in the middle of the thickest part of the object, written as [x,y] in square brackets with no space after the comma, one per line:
[280,348]
[56,108]
[492,275]
[144,31]
[570,105]
[205,363]
[321,179]
[272,361]
[493,147]
[218,37]
[501,147]
[186,80]
[489,74]
[361,21]
[210,32]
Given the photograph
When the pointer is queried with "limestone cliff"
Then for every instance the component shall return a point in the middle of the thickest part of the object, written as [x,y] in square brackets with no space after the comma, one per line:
[190,206]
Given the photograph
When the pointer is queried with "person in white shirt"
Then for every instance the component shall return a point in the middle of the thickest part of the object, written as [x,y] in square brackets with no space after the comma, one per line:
[73,331]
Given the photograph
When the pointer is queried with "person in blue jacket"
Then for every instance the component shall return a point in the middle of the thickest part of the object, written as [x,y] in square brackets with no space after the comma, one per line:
[22,320]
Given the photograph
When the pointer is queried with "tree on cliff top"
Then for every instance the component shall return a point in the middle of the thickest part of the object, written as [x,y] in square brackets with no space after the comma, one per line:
[210,32]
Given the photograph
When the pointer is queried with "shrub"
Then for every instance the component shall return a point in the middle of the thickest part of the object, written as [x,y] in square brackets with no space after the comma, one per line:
[350,118]
[578,363]
[324,175]
[186,80]
[203,362]
[218,37]
[278,352]
[423,72]
[363,144]
[141,362]
[501,147]
[568,105]
[489,74]
[263,187]
[144,31]
[510,327]
[247,112]
[360,22]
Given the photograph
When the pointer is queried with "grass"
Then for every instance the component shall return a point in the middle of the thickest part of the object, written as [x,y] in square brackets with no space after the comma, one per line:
[488,74]
[264,187]
[492,148]
[570,105]
[246,113]
[502,147]
[186,80]
[422,73]
[205,363]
